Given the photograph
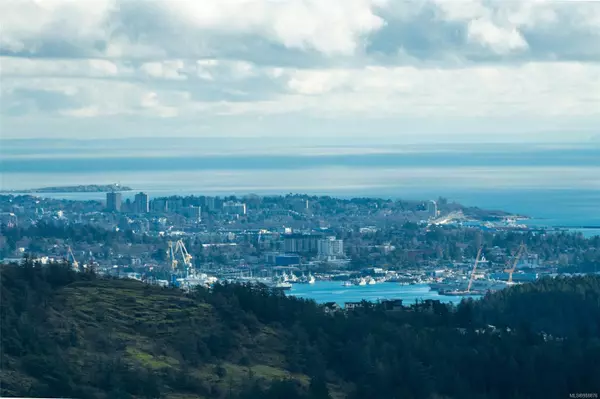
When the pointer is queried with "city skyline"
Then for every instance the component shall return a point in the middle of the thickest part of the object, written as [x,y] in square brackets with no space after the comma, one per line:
[427,71]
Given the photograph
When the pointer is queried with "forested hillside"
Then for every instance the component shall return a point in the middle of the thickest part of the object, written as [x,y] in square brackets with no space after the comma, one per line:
[67,334]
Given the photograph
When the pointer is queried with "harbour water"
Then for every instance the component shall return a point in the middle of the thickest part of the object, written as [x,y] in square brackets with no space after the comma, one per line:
[333,291]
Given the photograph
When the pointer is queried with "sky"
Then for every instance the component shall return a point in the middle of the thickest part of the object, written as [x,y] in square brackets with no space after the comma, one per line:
[341,70]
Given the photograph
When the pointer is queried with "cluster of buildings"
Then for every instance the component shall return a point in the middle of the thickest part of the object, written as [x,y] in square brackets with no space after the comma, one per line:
[223,227]
[307,233]
[318,247]
[142,204]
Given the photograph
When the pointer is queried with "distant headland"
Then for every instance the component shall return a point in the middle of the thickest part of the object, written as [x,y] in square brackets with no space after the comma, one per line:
[88,188]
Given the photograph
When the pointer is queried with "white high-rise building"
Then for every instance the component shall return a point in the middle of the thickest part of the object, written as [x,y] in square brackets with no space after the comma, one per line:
[432,209]
[330,248]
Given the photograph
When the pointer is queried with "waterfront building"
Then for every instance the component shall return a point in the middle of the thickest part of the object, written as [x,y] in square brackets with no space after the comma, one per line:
[301,243]
[330,248]
[113,202]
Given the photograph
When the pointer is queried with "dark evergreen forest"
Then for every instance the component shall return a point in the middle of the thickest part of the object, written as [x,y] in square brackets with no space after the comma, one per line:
[67,334]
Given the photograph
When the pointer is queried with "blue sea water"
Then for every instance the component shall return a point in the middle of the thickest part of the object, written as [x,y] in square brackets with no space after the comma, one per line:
[333,291]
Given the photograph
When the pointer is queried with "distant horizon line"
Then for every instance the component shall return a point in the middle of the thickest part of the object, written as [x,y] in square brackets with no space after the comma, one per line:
[371,140]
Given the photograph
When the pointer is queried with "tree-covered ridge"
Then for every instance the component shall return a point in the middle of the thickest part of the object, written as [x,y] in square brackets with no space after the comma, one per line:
[75,335]
[561,307]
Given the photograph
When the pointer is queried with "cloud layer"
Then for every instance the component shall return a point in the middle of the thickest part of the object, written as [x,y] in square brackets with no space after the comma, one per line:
[337,66]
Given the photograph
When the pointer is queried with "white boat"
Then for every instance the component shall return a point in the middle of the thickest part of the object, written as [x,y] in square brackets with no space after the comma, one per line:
[280,282]
[280,278]
[134,276]
[309,279]
[360,281]
[346,284]
[282,285]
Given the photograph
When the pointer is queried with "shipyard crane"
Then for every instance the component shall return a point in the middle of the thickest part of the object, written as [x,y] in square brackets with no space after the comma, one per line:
[474,269]
[171,254]
[178,248]
[514,265]
[71,258]
[187,258]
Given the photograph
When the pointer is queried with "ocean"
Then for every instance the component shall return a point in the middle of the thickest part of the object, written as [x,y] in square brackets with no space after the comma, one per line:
[554,185]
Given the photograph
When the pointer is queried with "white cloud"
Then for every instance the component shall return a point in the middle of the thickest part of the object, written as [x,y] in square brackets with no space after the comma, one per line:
[263,30]
[529,90]
[26,24]
[330,27]
[500,40]
[171,69]
[317,81]
[490,30]
[12,67]
[84,112]
[111,27]
[233,63]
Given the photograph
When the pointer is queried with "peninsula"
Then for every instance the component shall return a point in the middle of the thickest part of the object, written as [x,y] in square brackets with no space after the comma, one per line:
[87,188]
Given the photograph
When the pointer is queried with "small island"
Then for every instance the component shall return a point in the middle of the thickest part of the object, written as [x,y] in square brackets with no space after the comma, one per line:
[88,188]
